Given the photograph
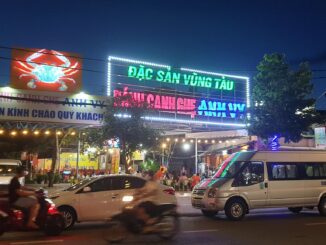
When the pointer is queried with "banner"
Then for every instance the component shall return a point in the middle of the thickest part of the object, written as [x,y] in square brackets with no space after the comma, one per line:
[45,70]
[32,106]
[320,138]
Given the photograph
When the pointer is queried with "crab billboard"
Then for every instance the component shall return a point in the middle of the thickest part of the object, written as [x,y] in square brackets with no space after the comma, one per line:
[45,70]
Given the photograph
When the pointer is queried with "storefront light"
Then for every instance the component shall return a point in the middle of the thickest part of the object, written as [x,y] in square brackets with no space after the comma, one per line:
[2,131]
[199,141]
[206,141]
[13,133]
[47,132]
[36,132]
[163,145]
[167,139]
[213,141]
[220,142]
[176,139]
[25,132]
[191,141]
[73,133]
[59,132]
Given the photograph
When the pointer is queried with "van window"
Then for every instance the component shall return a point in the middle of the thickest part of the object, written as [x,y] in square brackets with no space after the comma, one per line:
[315,170]
[252,173]
[283,171]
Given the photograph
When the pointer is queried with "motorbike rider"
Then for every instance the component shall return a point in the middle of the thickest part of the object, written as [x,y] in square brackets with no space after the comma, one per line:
[23,197]
[146,197]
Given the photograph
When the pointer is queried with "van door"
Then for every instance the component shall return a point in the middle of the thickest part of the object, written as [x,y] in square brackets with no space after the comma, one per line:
[250,182]
[285,188]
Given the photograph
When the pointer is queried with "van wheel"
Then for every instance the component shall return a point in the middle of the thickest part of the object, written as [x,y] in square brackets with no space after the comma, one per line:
[208,213]
[322,206]
[295,210]
[235,209]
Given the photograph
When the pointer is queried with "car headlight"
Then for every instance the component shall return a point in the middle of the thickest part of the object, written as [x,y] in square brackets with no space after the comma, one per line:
[212,193]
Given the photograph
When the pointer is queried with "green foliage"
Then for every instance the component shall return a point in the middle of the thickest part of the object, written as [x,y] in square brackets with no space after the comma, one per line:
[132,131]
[150,165]
[281,103]
[40,178]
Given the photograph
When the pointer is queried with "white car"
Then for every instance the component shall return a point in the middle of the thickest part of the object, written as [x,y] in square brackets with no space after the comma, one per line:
[101,197]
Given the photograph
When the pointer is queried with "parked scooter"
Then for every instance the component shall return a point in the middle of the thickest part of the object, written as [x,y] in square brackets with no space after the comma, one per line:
[165,223]
[14,219]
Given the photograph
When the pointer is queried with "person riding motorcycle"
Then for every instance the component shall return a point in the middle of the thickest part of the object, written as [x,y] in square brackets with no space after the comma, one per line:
[22,197]
[145,199]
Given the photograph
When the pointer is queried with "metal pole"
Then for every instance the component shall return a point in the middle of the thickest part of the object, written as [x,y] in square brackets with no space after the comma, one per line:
[162,156]
[196,156]
[78,152]
[57,150]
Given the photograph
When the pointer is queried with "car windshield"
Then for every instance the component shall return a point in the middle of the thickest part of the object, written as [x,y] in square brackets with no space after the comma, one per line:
[229,168]
[7,170]
[80,184]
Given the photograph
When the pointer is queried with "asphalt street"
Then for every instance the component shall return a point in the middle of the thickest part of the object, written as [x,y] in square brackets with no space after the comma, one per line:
[269,226]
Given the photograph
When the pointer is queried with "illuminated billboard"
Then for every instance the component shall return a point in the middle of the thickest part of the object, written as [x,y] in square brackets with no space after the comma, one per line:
[181,95]
[45,70]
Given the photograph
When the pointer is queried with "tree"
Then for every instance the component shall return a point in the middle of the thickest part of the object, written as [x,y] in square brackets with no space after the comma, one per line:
[124,120]
[281,99]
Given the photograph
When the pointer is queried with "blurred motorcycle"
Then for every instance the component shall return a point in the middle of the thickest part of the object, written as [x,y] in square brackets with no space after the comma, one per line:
[164,223]
[14,219]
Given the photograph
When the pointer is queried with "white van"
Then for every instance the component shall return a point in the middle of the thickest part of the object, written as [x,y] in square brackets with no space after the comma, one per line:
[262,179]
[8,170]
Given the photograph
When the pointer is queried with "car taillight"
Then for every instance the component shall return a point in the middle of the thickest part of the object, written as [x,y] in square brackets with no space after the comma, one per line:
[170,191]
[52,209]
[18,214]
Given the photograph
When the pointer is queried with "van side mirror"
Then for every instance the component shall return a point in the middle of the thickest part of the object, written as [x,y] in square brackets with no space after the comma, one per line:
[87,189]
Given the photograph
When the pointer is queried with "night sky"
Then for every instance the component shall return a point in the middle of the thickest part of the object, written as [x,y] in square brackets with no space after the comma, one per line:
[222,36]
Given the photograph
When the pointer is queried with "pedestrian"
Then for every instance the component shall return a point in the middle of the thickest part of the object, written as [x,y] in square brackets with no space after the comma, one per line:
[195,180]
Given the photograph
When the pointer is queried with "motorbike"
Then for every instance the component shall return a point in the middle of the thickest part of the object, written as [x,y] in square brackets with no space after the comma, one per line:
[165,223]
[50,221]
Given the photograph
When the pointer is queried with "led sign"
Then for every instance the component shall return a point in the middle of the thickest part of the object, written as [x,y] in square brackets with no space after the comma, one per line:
[181,95]
[141,72]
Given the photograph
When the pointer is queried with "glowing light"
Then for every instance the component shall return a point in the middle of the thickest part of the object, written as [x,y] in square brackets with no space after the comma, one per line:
[227,141]
[163,145]
[206,141]
[59,133]
[13,133]
[25,132]
[2,131]
[234,141]
[220,141]
[198,141]
[8,89]
[162,119]
[47,132]
[191,141]
[274,143]
[167,139]
[73,133]
[183,140]
[176,139]
[224,152]
[186,146]
[213,141]
[213,73]
[36,132]
[111,151]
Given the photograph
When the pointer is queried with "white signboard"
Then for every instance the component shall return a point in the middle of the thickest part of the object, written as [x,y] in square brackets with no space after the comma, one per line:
[30,106]
[320,138]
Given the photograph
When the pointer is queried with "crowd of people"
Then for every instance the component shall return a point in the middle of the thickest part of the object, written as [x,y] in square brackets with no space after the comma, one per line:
[180,182]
